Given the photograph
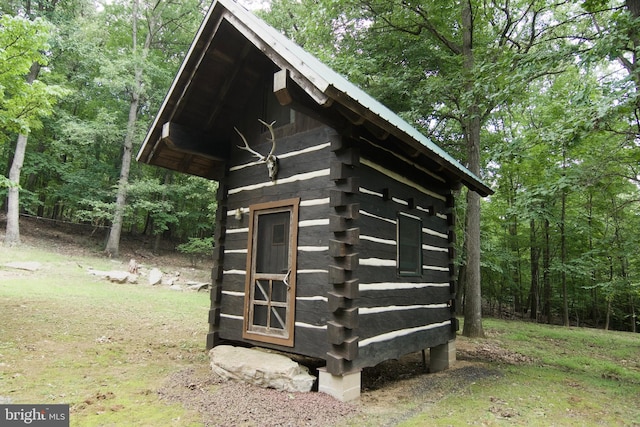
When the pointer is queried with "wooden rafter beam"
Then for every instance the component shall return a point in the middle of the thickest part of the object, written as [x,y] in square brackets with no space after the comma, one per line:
[280,87]
[229,83]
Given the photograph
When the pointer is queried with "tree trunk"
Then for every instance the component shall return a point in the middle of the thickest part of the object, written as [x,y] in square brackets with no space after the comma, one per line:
[473,295]
[516,285]
[158,234]
[12,234]
[595,313]
[546,272]
[563,260]
[609,297]
[624,268]
[563,241]
[113,242]
[462,287]
[633,314]
[462,279]
[535,268]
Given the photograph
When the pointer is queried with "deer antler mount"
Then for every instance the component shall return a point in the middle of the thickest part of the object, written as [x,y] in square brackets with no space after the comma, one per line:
[270,159]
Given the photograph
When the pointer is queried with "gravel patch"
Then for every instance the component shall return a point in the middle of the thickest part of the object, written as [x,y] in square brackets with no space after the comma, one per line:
[400,389]
[239,404]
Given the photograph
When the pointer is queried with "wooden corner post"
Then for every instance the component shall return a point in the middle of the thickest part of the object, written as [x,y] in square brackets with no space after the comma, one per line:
[213,337]
[339,378]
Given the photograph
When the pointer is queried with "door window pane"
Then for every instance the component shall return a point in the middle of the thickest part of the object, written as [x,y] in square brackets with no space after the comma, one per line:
[261,290]
[260,315]
[278,317]
[272,251]
[278,234]
[279,291]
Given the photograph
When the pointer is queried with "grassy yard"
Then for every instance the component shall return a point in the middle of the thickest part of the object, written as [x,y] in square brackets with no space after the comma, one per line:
[565,377]
[106,349]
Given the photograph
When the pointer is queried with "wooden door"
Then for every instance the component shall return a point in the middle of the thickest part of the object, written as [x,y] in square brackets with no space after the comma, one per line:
[271,272]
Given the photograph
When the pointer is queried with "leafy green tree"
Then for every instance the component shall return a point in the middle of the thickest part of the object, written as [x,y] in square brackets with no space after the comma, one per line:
[561,174]
[72,168]
[23,101]
[196,248]
[446,68]
[618,39]
[152,23]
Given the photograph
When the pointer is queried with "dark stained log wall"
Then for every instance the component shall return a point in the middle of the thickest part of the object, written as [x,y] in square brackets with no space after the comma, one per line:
[402,314]
[352,308]
[304,169]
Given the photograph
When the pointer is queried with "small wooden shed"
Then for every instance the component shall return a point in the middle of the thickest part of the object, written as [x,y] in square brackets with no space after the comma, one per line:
[334,232]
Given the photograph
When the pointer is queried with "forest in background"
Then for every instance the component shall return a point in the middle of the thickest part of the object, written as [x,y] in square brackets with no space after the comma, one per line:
[542,95]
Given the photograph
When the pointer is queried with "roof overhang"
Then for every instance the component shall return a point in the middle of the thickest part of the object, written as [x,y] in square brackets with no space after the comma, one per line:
[231,53]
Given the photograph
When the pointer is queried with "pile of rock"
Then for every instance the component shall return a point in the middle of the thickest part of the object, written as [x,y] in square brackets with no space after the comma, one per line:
[115,276]
[154,277]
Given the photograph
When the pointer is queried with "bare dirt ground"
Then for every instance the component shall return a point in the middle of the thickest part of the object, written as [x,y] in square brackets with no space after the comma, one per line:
[391,392]
[85,240]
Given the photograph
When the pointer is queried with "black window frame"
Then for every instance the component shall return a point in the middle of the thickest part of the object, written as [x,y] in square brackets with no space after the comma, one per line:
[405,223]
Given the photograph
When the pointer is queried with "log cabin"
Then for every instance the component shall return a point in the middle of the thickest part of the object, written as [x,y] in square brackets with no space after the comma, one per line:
[334,235]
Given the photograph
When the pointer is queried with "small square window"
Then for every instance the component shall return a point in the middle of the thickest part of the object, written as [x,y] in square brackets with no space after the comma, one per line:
[409,245]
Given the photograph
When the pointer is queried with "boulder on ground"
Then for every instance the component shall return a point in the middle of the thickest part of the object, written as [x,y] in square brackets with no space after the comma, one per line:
[155,276]
[267,370]
[197,286]
[24,265]
[116,276]
[168,280]
[99,273]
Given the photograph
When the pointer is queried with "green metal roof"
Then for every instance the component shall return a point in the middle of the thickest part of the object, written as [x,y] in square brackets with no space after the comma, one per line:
[334,85]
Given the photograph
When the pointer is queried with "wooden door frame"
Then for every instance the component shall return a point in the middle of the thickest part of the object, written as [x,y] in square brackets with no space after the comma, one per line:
[292,206]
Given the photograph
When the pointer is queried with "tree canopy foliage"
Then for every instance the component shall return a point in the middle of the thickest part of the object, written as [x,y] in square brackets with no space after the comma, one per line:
[73,161]
[547,93]
[541,98]
[22,43]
